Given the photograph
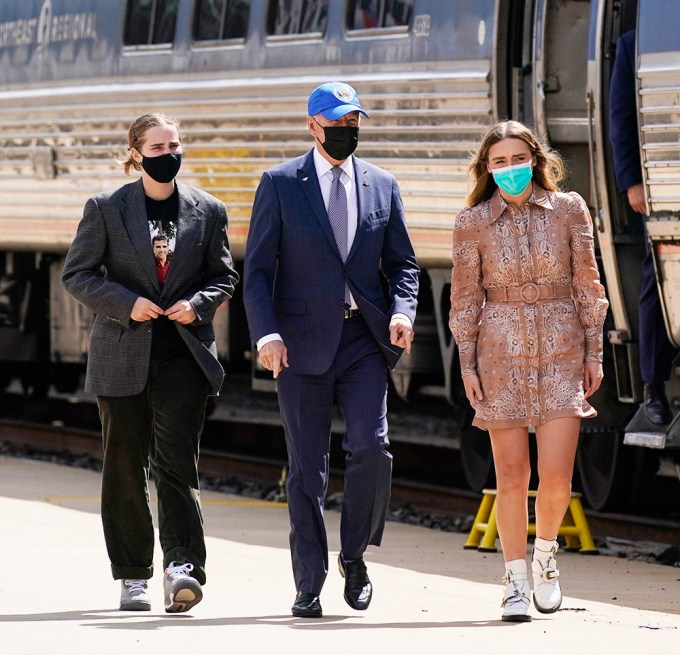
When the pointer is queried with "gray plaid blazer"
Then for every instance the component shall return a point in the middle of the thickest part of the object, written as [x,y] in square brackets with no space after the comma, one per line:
[111,263]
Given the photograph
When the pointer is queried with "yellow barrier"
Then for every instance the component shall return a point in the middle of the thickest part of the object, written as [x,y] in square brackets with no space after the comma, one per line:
[574,526]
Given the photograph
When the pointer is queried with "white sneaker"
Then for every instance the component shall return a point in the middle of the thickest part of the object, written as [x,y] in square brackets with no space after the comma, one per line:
[134,596]
[547,592]
[516,600]
[182,591]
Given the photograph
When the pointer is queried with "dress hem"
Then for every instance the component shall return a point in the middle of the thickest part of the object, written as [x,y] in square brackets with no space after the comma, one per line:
[535,421]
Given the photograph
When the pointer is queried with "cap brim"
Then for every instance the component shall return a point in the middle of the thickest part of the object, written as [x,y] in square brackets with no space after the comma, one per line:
[335,113]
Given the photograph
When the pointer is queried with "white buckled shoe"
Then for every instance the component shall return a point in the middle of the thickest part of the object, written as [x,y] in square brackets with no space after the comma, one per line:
[516,599]
[547,591]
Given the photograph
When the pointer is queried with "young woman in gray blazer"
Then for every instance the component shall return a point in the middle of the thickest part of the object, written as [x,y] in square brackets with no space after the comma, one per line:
[152,360]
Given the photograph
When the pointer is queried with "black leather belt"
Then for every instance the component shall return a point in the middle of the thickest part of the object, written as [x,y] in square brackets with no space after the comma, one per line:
[351,313]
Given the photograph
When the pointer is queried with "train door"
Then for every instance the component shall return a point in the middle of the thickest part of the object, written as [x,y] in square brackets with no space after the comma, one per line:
[612,473]
[620,229]
[558,82]
[572,49]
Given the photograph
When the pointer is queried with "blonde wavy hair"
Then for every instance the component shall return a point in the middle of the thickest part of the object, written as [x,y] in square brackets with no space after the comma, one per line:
[548,172]
[138,130]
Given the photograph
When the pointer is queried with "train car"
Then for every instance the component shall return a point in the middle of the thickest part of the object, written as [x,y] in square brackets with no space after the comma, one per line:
[434,74]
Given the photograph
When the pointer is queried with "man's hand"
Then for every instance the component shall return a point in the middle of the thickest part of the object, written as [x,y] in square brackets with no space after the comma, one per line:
[144,310]
[182,312]
[401,335]
[274,356]
[636,198]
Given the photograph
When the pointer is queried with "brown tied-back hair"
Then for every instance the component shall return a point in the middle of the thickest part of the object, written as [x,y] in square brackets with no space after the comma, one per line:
[136,134]
[548,172]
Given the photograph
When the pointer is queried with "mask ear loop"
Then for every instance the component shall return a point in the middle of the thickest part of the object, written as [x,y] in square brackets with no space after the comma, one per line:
[324,131]
[130,148]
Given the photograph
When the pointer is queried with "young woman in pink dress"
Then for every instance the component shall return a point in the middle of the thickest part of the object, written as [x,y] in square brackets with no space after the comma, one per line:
[527,310]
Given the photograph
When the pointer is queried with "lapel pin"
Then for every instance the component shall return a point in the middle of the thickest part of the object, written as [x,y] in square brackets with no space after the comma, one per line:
[304,179]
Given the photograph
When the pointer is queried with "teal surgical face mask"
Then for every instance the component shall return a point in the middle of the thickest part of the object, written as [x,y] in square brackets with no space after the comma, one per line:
[513,179]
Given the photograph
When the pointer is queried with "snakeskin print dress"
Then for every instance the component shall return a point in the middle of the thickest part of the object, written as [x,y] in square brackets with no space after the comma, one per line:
[529,348]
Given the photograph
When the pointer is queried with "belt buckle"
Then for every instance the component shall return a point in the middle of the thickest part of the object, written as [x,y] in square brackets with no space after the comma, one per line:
[530,292]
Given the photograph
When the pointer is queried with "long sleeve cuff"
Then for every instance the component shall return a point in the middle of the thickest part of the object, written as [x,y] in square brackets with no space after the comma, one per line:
[274,336]
[593,344]
[401,318]
[467,354]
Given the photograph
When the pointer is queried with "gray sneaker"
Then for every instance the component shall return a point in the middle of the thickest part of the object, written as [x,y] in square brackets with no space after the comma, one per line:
[134,596]
[182,591]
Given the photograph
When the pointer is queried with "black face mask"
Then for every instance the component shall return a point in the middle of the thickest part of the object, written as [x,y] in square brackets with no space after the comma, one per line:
[340,142]
[163,168]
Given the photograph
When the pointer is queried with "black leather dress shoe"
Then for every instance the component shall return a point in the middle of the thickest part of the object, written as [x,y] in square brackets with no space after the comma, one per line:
[655,404]
[358,588]
[307,605]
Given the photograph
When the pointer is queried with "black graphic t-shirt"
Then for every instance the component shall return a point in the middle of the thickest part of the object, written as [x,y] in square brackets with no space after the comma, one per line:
[163,221]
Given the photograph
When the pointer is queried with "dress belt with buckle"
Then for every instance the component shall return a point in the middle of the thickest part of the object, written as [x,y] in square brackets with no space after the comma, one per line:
[529,293]
[351,313]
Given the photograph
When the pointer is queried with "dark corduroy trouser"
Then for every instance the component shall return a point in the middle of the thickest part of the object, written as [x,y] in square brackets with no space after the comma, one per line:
[157,430]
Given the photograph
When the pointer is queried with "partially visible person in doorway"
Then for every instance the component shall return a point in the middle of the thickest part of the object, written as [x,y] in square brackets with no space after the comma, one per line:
[152,361]
[527,310]
[656,350]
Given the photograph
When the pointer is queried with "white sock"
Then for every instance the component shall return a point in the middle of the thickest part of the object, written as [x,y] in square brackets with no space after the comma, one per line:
[517,567]
[543,548]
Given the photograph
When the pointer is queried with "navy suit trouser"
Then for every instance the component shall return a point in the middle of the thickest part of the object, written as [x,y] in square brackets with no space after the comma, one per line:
[656,351]
[357,381]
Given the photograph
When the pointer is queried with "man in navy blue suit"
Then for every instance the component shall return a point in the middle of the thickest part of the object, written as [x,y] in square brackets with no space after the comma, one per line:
[656,351]
[327,231]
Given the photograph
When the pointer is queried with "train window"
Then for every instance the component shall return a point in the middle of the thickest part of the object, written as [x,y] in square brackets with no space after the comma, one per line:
[216,20]
[290,17]
[378,14]
[150,22]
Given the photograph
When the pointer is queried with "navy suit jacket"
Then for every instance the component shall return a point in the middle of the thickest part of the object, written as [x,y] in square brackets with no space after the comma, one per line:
[294,275]
[623,124]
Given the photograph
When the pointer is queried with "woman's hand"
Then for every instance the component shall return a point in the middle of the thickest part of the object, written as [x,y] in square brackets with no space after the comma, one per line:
[592,378]
[473,388]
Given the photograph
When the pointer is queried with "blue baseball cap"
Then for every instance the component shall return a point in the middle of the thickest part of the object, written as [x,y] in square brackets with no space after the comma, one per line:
[333,100]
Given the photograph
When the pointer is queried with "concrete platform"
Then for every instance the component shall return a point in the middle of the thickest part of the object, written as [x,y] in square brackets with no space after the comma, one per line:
[431,596]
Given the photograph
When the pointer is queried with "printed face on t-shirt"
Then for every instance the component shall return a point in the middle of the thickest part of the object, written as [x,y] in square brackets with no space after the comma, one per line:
[161,250]
[167,246]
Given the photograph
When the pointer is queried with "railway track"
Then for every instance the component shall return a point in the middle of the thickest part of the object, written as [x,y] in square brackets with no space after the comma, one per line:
[249,453]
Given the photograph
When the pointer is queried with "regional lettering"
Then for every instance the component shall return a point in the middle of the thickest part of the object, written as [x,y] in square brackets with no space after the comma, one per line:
[70,27]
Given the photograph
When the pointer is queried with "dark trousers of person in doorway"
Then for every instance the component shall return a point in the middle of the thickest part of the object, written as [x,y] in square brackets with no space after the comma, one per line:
[656,351]
[157,430]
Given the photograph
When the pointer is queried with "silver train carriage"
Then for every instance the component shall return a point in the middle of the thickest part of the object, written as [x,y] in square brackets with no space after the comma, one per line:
[433,73]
